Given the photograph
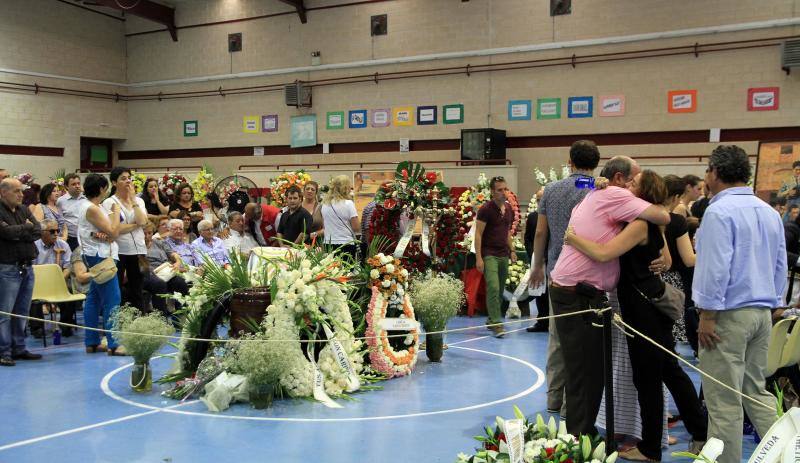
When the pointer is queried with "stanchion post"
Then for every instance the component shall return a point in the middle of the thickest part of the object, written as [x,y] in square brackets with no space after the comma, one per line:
[611,445]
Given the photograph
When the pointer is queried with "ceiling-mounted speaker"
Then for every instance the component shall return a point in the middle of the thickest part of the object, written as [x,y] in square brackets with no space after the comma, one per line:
[560,7]
[234,42]
[297,94]
[379,24]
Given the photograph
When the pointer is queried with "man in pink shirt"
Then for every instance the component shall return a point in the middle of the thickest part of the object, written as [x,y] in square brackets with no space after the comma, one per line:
[579,283]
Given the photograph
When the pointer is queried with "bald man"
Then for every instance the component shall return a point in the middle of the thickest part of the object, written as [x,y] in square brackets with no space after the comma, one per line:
[19,230]
[260,220]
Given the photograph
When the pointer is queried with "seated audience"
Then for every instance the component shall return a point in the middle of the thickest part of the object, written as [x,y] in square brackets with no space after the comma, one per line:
[159,253]
[53,250]
[210,245]
[178,244]
[238,240]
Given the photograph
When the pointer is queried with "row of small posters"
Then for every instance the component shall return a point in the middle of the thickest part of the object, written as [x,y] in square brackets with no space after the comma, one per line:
[363,118]
[678,101]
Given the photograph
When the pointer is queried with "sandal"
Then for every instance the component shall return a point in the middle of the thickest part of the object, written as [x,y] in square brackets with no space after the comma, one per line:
[95,349]
[118,351]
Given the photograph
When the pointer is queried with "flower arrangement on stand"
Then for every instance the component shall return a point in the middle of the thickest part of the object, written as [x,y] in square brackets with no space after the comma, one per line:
[390,307]
[437,297]
[536,442]
[203,184]
[279,184]
[515,286]
[309,302]
[168,184]
[57,179]
[138,181]
[132,324]
[543,179]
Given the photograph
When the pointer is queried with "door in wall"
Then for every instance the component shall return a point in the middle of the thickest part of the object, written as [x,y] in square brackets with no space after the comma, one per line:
[96,154]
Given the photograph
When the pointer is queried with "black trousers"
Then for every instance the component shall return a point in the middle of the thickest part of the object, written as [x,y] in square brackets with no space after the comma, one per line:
[652,367]
[67,310]
[131,280]
[72,241]
[543,306]
[158,287]
[582,347]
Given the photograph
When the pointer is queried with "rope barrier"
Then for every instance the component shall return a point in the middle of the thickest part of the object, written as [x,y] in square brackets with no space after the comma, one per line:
[618,319]
[361,338]
[619,323]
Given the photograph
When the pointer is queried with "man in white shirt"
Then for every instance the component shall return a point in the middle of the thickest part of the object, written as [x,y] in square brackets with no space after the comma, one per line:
[238,239]
[70,204]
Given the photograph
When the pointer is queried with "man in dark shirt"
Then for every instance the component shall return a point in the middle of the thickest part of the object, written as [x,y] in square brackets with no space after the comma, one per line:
[493,247]
[296,221]
[18,232]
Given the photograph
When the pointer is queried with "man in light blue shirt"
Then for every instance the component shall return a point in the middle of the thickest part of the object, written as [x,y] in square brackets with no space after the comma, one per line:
[70,204]
[740,275]
[210,245]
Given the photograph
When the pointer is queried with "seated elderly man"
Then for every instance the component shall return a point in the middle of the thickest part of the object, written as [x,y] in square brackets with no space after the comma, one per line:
[176,241]
[53,250]
[239,239]
[158,253]
[210,245]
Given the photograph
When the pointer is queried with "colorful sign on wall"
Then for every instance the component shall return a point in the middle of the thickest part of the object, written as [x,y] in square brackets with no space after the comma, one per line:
[763,98]
[404,116]
[381,117]
[682,101]
[304,131]
[611,105]
[580,106]
[548,108]
[190,128]
[269,123]
[427,115]
[334,120]
[357,119]
[250,124]
[453,114]
[519,110]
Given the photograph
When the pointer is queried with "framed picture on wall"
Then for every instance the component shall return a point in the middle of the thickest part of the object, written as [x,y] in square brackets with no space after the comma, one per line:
[269,123]
[682,101]
[426,115]
[763,99]
[357,119]
[189,128]
[580,106]
[453,114]
[304,131]
[334,120]
[548,108]
[250,124]
[611,105]
[381,117]
[774,174]
[404,116]
[519,110]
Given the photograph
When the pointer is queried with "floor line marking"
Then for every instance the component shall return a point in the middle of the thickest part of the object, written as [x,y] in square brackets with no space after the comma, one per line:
[88,427]
[540,379]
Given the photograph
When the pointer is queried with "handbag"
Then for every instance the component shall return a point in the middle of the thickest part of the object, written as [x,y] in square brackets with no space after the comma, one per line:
[670,303]
[164,272]
[103,271]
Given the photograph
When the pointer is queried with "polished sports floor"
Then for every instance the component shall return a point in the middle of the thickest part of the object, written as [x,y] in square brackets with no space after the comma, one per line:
[75,407]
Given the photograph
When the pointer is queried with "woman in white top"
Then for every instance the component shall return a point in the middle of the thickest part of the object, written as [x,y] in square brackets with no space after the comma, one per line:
[340,217]
[97,231]
[132,248]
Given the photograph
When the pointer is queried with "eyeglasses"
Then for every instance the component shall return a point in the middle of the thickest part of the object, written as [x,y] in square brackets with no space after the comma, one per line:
[55,230]
[499,178]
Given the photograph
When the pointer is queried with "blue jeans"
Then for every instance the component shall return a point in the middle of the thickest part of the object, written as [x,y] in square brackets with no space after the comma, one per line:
[16,289]
[103,299]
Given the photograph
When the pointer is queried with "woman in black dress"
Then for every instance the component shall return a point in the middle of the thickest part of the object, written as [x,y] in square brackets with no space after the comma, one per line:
[155,202]
[185,203]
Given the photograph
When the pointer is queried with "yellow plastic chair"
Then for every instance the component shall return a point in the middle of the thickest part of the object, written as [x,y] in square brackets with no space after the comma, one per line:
[779,344]
[49,287]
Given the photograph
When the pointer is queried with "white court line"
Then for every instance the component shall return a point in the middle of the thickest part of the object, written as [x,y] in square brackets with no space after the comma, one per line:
[153,410]
[540,378]
[485,336]
[88,427]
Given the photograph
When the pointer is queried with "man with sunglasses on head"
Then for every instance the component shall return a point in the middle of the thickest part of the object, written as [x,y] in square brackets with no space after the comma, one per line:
[493,249]
[54,250]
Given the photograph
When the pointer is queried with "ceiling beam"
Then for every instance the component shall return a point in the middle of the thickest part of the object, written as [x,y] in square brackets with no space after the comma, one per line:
[300,7]
[146,9]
